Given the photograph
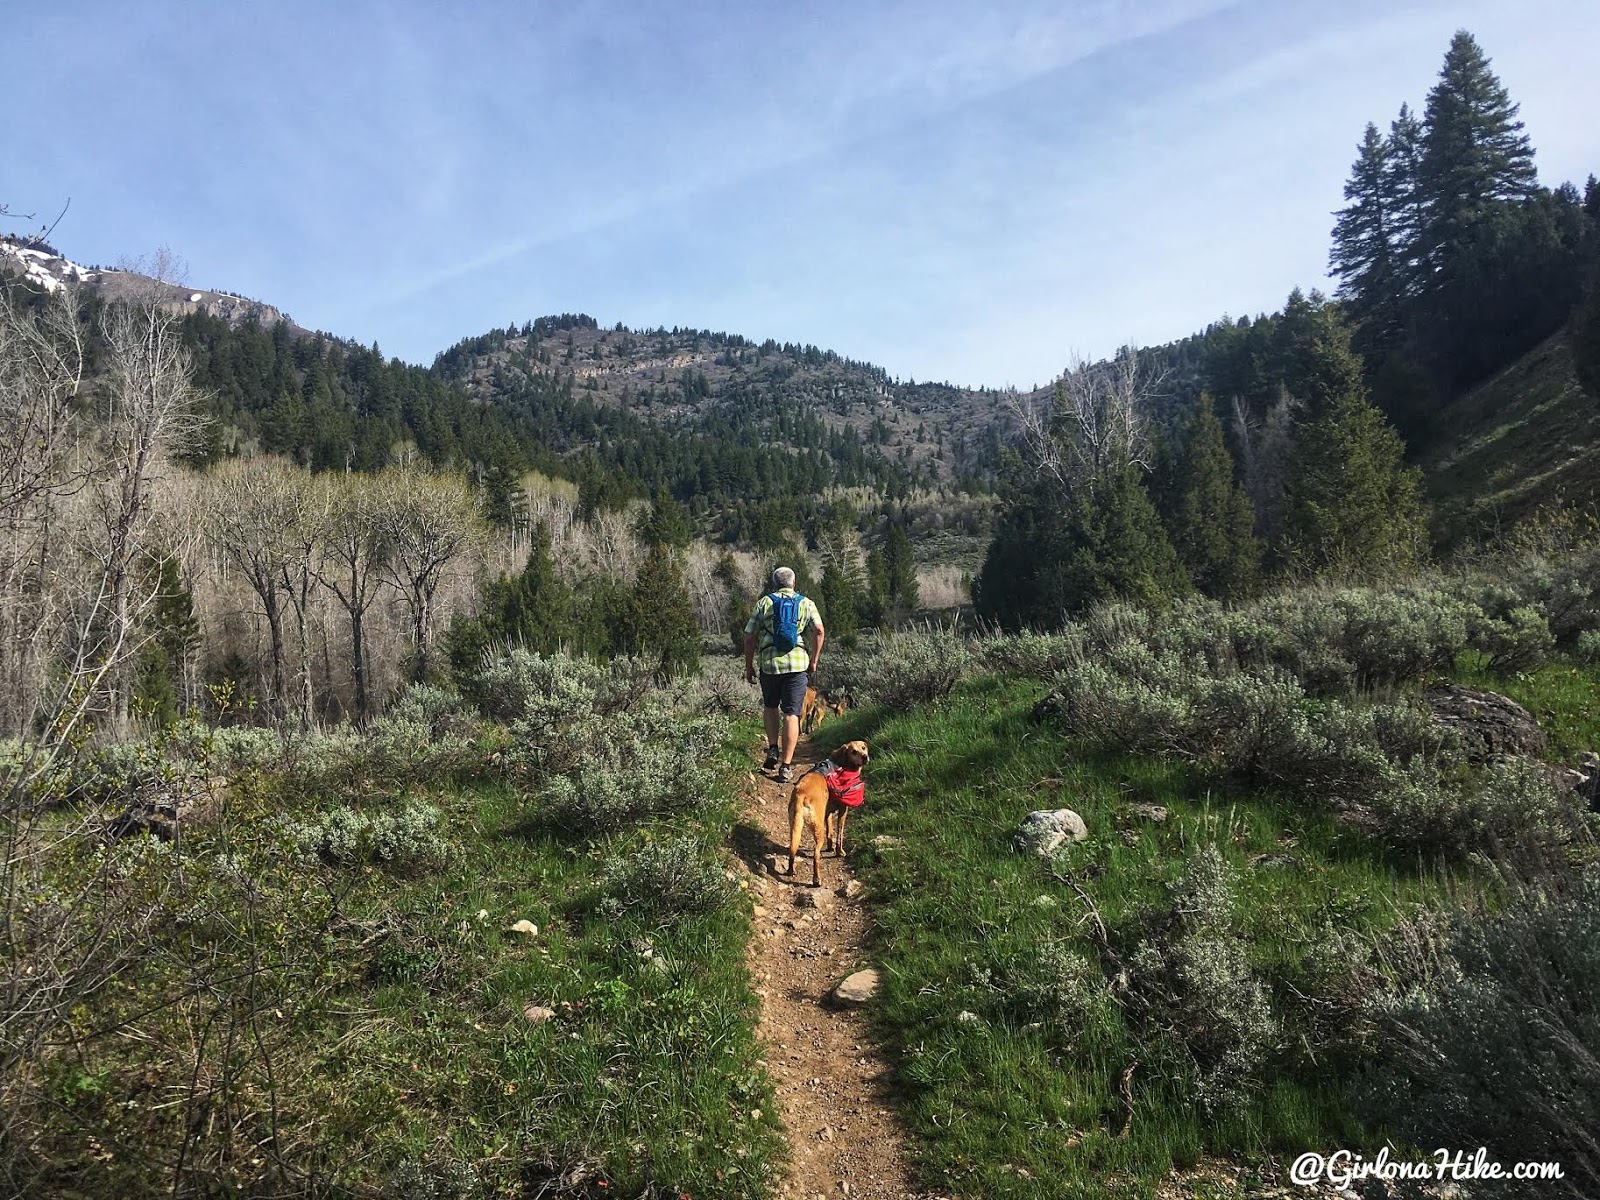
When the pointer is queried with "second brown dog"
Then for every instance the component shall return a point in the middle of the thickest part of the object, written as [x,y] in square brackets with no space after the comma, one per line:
[818,706]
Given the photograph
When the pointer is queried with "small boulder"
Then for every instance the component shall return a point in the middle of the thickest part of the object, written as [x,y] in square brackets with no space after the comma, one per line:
[1046,831]
[538,1014]
[1490,725]
[858,988]
[808,899]
[885,841]
[853,890]
[1150,812]
[525,927]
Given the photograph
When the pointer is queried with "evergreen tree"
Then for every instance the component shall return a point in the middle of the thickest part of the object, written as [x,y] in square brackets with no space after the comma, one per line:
[841,592]
[1403,195]
[873,603]
[1474,155]
[900,570]
[534,608]
[836,598]
[737,610]
[1213,520]
[1077,526]
[172,618]
[666,523]
[655,618]
[174,635]
[1053,558]
[1365,258]
[1353,507]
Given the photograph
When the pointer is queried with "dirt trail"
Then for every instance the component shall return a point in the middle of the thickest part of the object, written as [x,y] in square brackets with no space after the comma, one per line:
[832,1080]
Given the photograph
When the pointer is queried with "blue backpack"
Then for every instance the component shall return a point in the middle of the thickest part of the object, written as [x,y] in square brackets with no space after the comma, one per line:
[785,622]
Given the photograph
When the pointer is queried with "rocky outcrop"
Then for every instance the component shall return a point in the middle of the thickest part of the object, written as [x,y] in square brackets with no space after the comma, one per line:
[1491,726]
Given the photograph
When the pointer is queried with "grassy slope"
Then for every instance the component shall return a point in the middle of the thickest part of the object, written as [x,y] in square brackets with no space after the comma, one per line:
[1518,441]
[653,1074]
[399,1035]
[1007,1110]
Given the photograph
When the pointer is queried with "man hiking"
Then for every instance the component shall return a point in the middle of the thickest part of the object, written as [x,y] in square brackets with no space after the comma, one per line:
[781,625]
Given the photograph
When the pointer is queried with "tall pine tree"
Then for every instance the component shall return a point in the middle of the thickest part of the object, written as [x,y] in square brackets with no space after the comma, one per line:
[900,571]
[1403,195]
[1213,521]
[1353,507]
[1474,155]
[1053,557]
[1366,257]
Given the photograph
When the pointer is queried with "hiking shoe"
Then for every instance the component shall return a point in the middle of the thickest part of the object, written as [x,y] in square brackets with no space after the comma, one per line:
[771,759]
[785,773]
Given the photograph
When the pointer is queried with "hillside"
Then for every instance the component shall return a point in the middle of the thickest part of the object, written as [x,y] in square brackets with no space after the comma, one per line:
[938,434]
[42,266]
[709,417]
[1517,442]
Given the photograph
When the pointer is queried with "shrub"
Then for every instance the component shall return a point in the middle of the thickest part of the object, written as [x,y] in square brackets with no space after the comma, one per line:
[1587,647]
[1510,811]
[1518,641]
[1502,1049]
[908,667]
[540,690]
[1047,983]
[671,878]
[446,1180]
[1148,710]
[1195,980]
[1030,655]
[347,837]
[634,771]
[1256,727]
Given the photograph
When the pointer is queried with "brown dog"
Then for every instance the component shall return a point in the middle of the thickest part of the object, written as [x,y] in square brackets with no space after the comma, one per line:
[817,707]
[824,805]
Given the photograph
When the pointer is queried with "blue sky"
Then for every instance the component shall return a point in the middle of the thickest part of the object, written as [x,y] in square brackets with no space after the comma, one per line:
[954,191]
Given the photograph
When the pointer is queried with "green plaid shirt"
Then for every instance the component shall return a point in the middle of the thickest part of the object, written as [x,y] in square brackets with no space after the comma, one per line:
[760,623]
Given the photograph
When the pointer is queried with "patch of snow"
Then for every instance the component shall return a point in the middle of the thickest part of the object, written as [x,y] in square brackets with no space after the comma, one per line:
[197,297]
[43,268]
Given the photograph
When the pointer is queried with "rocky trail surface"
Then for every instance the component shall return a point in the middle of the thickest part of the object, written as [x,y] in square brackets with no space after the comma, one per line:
[832,1079]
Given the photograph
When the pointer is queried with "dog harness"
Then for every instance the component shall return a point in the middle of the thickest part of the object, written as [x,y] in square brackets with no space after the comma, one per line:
[844,787]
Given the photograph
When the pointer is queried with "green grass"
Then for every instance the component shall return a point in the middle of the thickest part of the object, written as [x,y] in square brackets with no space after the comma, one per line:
[653,1072]
[393,1019]
[1004,1108]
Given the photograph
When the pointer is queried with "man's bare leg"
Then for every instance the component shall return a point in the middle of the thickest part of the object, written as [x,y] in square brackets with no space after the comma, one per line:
[791,737]
[769,718]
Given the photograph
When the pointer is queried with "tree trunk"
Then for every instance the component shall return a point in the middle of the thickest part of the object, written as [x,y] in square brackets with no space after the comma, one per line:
[419,638]
[358,662]
[275,632]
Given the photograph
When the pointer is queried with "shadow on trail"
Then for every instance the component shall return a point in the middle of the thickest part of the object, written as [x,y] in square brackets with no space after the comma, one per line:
[755,848]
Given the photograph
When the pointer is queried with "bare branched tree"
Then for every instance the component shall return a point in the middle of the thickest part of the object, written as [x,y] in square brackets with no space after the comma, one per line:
[1093,424]
[152,412]
[76,537]
[1264,450]
[428,521]
[42,357]
[354,553]
[255,507]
